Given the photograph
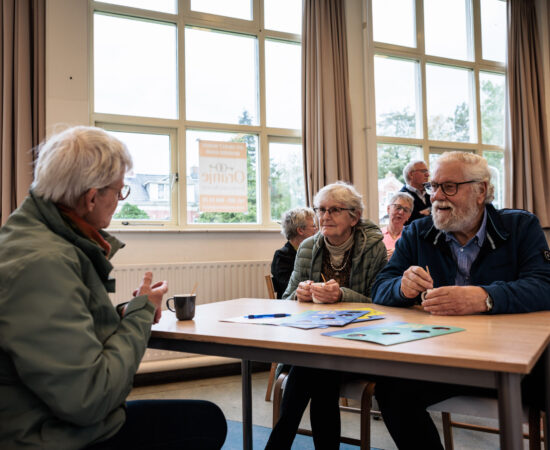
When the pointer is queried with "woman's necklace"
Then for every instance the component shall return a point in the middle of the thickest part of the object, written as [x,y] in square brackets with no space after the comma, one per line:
[344,263]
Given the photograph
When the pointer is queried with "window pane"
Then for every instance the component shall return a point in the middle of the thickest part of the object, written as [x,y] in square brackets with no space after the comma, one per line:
[239,9]
[167,6]
[391,27]
[286,178]
[496,166]
[283,15]
[449,93]
[493,30]
[283,84]
[221,77]
[149,179]
[392,159]
[135,67]
[398,110]
[448,28]
[492,97]
[194,174]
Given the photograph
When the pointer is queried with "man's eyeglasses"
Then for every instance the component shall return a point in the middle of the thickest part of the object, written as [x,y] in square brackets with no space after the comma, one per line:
[449,188]
[123,193]
[333,211]
[399,207]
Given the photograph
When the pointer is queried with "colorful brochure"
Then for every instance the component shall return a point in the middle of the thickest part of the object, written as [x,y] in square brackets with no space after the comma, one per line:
[368,314]
[393,332]
[323,319]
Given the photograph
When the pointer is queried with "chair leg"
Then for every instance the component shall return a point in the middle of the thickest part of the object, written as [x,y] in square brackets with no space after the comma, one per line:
[270,382]
[447,430]
[343,401]
[544,431]
[534,429]
[278,397]
[366,404]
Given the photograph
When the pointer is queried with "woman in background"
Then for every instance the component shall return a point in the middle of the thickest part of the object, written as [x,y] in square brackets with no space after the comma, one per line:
[399,210]
[297,225]
[348,252]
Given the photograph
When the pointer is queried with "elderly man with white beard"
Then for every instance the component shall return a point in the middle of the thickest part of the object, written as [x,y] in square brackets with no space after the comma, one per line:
[467,258]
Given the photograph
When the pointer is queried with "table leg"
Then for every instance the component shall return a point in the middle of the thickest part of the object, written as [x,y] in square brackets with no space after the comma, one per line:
[247,404]
[510,411]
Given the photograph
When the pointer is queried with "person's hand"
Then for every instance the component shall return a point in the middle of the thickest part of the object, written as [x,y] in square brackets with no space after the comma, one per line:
[455,300]
[414,281]
[155,293]
[328,292]
[390,252]
[425,212]
[303,292]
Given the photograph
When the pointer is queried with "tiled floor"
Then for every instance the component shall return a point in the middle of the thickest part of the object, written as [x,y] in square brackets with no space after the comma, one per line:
[226,392]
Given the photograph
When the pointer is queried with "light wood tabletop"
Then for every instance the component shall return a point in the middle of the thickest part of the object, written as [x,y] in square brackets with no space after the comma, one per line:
[493,351]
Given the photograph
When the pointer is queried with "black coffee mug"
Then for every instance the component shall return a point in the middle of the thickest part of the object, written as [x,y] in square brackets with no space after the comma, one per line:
[184,306]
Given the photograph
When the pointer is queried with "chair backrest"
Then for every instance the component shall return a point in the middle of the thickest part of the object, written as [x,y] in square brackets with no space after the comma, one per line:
[270,289]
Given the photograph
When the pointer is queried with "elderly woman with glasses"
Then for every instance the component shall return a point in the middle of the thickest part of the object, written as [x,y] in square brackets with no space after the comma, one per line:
[297,225]
[348,253]
[67,356]
[399,210]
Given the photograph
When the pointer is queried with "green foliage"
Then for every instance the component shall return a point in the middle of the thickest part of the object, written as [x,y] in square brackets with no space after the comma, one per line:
[287,189]
[393,158]
[455,128]
[251,215]
[492,113]
[397,123]
[130,211]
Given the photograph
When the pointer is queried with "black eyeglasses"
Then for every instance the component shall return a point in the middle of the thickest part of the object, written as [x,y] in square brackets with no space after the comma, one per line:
[449,188]
[123,193]
[332,211]
[399,207]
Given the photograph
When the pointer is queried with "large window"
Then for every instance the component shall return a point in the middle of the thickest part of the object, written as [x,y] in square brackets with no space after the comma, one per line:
[207,96]
[439,82]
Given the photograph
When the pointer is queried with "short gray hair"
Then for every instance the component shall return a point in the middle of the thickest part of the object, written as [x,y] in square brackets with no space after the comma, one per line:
[294,219]
[475,167]
[405,196]
[409,168]
[78,159]
[343,193]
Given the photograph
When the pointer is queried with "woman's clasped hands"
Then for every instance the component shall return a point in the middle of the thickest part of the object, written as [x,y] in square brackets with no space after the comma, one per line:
[309,291]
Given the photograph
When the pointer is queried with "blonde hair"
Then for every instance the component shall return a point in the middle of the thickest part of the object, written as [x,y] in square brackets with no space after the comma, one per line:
[475,168]
[77,159]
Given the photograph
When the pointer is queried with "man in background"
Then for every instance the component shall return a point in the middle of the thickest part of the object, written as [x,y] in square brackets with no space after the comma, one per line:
[416,174]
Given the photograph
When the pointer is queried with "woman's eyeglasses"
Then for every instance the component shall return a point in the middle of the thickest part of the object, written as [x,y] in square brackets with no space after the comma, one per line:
[333,211]
[398,207]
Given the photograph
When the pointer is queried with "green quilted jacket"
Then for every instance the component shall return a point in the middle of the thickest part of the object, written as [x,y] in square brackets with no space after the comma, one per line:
[67,359]
[369,257]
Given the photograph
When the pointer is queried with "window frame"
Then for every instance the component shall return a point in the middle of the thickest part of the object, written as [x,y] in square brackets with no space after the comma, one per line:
[177,128]
[478,65]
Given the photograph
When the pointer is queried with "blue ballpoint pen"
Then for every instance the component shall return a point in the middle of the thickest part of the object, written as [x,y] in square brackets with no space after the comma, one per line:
[265,316]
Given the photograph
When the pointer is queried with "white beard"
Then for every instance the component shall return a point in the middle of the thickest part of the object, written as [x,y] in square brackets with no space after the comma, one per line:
[459,219]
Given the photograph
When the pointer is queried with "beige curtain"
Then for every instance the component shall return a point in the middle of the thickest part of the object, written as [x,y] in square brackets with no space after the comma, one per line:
[530,158]
[326,121]
[22,97]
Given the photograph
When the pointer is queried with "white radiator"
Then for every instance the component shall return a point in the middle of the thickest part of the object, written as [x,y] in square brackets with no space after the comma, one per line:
[217,281]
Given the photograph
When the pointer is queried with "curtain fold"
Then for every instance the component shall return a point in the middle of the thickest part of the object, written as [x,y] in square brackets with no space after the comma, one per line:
[529,146]
[22,97]
[326,116]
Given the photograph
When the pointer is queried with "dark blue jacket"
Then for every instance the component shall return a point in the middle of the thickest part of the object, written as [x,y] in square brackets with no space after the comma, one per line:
[513,265]
[418,205]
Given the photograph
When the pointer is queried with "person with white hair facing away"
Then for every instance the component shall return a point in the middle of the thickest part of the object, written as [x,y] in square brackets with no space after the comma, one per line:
[348,253]
[297,225]
[399,210]
[67,356]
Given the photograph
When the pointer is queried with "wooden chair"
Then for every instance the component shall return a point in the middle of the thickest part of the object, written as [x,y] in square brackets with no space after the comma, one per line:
[488,408]
[271,294]
[359,389]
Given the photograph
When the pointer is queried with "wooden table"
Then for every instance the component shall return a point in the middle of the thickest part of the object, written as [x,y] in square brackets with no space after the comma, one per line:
[495,351]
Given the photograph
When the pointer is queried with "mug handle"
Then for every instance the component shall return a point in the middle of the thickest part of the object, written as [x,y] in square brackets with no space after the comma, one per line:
[168,304]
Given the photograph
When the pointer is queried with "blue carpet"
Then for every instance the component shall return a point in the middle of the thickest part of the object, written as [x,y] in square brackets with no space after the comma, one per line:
[260,436]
